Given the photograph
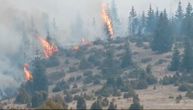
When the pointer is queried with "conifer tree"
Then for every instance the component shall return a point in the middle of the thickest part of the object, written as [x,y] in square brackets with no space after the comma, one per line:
[187,62]
[127,57]
[81,103]
[175,63]
[150,20]
[162,39]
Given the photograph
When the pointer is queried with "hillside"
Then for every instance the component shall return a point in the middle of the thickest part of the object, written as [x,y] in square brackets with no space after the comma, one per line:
[81,79]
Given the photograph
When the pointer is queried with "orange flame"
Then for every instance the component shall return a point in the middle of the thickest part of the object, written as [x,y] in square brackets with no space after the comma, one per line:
[107,20]
[28,74]
[49,49]
[76,48]
[85,42]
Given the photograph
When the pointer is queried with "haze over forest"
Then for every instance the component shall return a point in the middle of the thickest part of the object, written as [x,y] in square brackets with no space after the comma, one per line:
[68,20]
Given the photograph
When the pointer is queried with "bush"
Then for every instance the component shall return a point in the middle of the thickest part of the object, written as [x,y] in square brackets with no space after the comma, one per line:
[129,94]
[139,84]
[96,82]
[105,102]
[51,105]
[52,62]
[151,80]
[146,60]
[84,64]
[88,73]
[116,93]
[23,97]
[178,99]
[105,92]
[167,80]
[185,87]
[81,103]
[61,86]
[189,94]
[38,98]
[71,79]
[68,98]
[72,69]
[88,80]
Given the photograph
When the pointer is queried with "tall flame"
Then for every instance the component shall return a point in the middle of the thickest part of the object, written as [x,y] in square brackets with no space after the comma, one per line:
[83,42]
[28,74]
[107,20]
[49,48]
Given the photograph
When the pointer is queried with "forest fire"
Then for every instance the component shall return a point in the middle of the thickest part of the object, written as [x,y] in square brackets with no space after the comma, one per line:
[49,48]
[28,74]
[85,42]
[76,48]
[107,20]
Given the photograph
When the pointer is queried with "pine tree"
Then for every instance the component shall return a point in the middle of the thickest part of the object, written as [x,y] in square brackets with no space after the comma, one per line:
[115,19]
[39,82]
[179,12]
[110,67]
[175,63]
[136,104]
[133,21]
[39,98]
[187,61]
[179,20]
[96,105]
[150,20]
[112,106]
[162,40]
[188,22]
[127,57]
[22,97]
[143,22]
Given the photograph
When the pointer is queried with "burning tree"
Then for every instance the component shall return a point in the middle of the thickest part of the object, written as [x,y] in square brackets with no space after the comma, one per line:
[49,49]
[28,74]
[40,82]
[107,21]
[37,84]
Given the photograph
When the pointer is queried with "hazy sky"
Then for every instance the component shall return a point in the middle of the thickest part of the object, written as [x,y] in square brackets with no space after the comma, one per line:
[66,11]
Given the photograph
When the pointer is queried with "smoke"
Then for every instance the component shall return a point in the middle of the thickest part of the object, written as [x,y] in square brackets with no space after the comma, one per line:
[20,20]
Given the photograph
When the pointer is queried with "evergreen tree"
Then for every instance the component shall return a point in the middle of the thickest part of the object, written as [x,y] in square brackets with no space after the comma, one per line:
[81,103]
[39,98]
[143,23]
[112,106]
[40,82]
[133,21]
[175,63]
[188,22]
[23,97]
[179,12]
[115,19]
[150,20]
[96,105]
[162,40]
[136,104]
[110,67]
[187,61]
[127,57]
